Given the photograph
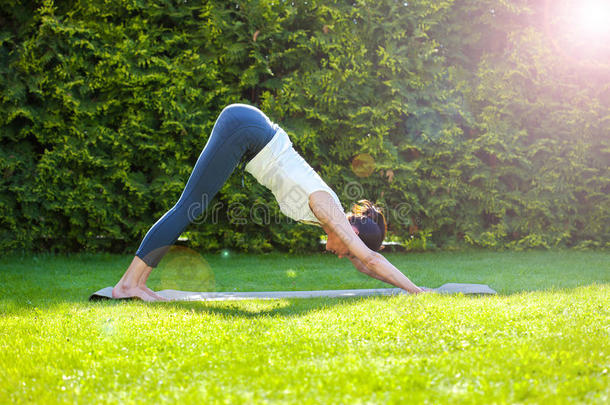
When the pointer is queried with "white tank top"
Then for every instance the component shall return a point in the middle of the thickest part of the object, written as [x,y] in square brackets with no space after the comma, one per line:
[282,170]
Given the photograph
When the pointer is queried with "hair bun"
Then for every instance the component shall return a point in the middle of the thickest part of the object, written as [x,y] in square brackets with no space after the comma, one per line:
[366,209]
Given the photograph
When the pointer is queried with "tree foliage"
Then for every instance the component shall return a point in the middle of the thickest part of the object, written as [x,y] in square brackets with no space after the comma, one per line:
[480,130]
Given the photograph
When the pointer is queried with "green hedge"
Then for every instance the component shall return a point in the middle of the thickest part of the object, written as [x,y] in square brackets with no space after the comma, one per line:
[475,128]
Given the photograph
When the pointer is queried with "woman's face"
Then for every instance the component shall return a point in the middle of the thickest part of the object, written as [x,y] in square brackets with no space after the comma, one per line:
[335,245]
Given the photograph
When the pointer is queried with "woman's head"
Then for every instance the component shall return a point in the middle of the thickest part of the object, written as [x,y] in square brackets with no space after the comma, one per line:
[370,223]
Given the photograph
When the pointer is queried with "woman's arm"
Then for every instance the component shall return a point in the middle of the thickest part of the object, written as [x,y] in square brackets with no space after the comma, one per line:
[387,273]
[363,269]
[333,219]
[381,269]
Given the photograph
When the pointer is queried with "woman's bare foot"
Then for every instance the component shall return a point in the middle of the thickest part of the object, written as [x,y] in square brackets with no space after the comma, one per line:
[133,283]
[142,292]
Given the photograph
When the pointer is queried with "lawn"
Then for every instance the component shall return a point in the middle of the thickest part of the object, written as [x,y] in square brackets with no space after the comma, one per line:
[544,338]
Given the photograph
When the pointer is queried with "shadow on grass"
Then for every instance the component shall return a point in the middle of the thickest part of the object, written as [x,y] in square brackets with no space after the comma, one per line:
[293,307]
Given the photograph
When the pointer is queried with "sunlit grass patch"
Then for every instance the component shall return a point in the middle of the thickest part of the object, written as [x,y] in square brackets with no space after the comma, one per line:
[532,343]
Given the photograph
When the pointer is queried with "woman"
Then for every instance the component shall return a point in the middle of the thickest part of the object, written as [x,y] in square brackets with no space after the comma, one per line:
[244,133]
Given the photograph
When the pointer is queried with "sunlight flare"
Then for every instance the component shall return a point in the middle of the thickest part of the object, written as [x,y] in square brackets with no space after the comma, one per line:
[593,18]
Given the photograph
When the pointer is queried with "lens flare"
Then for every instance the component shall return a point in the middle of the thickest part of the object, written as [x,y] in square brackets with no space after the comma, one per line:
[593,18]
[579,30]
[184,269]
[363,165]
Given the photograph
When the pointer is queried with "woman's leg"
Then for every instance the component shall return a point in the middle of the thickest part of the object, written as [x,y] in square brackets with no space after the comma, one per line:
[240,132]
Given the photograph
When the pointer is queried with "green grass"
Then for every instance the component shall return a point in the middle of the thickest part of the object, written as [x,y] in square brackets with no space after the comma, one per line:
[543,339]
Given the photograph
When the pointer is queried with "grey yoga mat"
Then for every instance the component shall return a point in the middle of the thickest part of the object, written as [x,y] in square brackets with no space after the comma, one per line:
[176,295]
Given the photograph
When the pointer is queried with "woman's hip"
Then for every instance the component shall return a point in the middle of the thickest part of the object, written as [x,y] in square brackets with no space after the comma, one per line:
[245,126]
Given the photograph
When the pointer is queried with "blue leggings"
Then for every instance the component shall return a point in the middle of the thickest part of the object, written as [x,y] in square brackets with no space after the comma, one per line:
[240,132]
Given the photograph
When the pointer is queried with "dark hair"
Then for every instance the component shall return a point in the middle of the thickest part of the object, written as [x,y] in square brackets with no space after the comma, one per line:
[370,222]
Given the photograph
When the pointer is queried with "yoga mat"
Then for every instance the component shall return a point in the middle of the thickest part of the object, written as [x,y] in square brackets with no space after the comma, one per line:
[176,295]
